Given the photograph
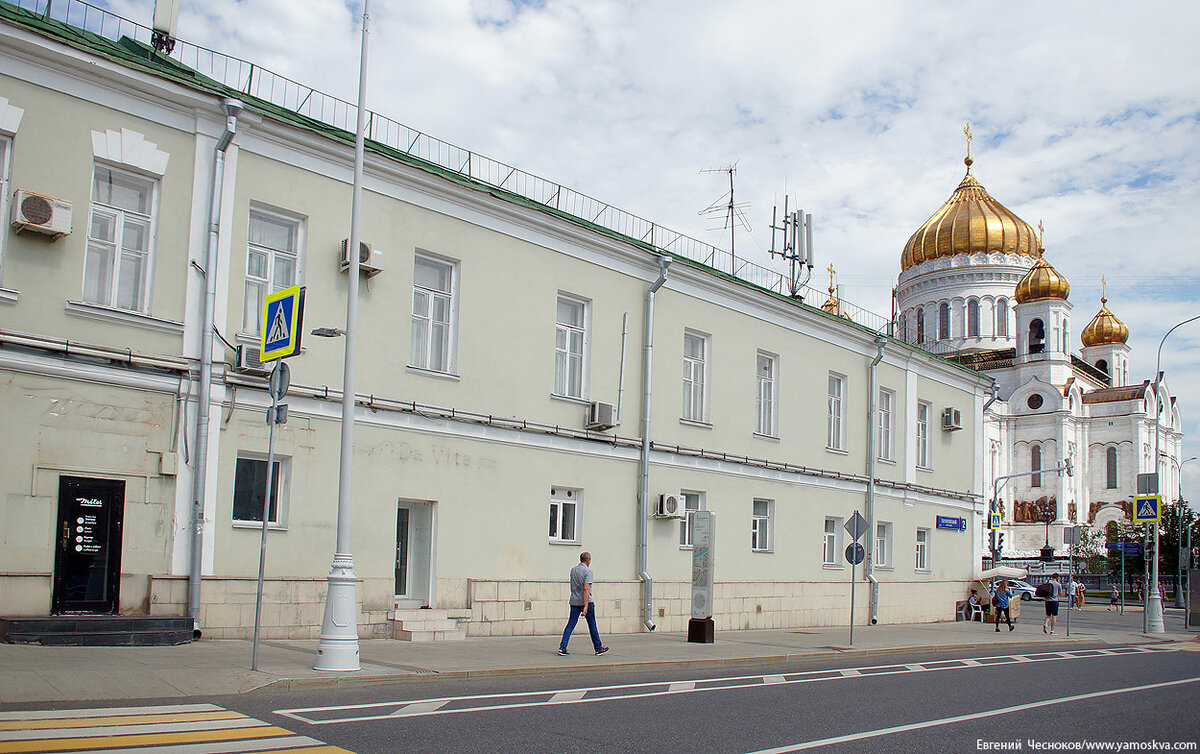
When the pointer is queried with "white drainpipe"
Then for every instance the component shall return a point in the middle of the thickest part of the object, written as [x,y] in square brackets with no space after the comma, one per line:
[880,342]
[644,490]
[232,108]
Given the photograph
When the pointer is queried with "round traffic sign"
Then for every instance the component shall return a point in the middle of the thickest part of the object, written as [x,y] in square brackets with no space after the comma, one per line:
[280,380]
[855,553]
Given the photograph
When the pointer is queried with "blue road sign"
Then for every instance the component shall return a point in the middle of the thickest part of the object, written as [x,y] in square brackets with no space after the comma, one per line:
[283,318]
[1125,548]
[952,522]
[1146,508]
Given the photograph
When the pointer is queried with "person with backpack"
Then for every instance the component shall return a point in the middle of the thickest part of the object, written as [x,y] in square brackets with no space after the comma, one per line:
[1050,591]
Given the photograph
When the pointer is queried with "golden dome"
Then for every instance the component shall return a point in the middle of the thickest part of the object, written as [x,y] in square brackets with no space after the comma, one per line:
[970,222]
[1042,282]
[1104,328]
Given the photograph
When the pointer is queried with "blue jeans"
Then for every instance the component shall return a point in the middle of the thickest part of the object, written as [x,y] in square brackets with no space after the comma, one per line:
[591,621]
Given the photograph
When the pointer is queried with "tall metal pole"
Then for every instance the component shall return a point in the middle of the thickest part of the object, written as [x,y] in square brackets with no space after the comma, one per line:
[1184,526]
[1154,623]
[338,645]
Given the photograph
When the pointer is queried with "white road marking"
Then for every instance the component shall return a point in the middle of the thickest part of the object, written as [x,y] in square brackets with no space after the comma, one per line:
[969,717]
[225,747]
[120,730]
[551,697]
[59,714]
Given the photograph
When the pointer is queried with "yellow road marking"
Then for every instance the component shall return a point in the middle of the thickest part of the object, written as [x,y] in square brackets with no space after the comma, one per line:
[97,722]
[143,739]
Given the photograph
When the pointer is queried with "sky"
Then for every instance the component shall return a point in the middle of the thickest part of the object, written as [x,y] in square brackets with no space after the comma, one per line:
[1086,117]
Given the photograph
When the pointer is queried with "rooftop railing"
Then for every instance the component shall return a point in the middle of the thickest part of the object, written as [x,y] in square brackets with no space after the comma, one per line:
[254,80]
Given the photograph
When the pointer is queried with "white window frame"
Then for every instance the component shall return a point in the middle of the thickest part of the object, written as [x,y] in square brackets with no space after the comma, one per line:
[571,365]
[120,217]
[1002,317]
[835,438]
[924,442]
[424,361]
[1035,466]
[944,321]
[883,544]
[886,425]
[6,149]
[697,373]
[922,549]
[692,502]
[252,321]
[973,318]
[767,396]
[562,501]
[281,491]
[831,548]
[762,525]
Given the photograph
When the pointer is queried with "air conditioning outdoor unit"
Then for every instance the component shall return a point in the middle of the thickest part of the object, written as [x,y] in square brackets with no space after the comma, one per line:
[601,416]
[41,214]
[951,419]
[248,363]
[669,506]
[370,258]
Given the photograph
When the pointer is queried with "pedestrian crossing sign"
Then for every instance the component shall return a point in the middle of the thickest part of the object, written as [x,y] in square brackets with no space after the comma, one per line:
[993,520]
[282,324]
[1146,508]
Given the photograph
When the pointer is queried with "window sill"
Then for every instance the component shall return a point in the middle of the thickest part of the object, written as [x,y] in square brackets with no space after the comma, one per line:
[564,542]
[570,399]
[926,469]
[689,548]
[923,571]
[885,568]
[123,317]
[8,296]
[432,373]
[833,567]
[695,423]
[837,451]
[768,438]
[763,552]
[257,526]
[888,461]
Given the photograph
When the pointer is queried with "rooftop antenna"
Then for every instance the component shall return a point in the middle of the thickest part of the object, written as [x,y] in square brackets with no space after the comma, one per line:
[732,211]
[796,246]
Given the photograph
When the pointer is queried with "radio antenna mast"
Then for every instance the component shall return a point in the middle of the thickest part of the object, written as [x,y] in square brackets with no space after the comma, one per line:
[732,211]
[796,247]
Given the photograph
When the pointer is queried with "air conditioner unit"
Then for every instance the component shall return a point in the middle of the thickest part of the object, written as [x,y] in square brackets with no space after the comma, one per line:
[669,506]
[601,416]
[951,419]
[248,363]
[41,214]
[370,258]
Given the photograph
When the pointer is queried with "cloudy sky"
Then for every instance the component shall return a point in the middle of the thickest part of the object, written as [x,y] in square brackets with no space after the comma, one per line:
[1086,117]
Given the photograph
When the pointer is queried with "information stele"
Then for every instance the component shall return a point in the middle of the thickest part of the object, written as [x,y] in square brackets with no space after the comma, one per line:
[282,324]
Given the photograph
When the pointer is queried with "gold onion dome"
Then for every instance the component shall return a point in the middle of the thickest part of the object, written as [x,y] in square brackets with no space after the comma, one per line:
[970,222]
[1042,282]
[1104,328]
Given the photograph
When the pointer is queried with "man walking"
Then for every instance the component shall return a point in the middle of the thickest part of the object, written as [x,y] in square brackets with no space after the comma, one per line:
[1056,590]
[581,602]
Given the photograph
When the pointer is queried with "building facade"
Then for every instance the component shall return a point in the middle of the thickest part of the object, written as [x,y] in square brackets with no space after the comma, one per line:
[495,333]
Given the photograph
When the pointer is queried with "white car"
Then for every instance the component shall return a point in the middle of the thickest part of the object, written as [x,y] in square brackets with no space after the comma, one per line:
[1022,589]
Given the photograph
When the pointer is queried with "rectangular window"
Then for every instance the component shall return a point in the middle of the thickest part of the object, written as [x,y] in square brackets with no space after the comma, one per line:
[886,419]
[433,314]
[695,376]
[692,502]
[564,514]
[837,413]
[570,347]
[120,241]
[1110,468]
[831,551]
[5,167]
[883,544]
[766,367]
[922,549]
[250,489]
[760,525]
[272,263]
[924,410]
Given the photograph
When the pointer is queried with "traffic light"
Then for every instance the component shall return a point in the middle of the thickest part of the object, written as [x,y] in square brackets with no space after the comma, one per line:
[1000,541]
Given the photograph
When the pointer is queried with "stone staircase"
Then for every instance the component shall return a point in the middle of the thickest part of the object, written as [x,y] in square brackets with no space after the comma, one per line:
[97,630]
[425,624]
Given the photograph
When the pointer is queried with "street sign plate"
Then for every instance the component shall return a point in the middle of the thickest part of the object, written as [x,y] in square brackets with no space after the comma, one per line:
[855,553]
[282,324]
[1146,508]
[1147,484]
[956,523]
[856,526]
[1125,548]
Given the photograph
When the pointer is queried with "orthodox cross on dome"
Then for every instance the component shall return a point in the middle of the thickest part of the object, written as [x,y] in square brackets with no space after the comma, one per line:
[831,273]
[968,160]
[1041,238]
[1103,286]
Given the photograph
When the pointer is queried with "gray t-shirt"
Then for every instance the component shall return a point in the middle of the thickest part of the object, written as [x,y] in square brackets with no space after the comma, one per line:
[1058,590]
[580,575]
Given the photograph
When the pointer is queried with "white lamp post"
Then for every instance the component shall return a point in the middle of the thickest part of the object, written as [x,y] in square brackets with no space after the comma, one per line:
[338,645]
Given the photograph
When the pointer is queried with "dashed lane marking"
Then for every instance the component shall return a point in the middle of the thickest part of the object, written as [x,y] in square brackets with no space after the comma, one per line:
[485,702]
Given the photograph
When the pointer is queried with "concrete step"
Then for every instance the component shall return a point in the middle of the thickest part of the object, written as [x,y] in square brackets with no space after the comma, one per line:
[98,630]
[402,634]
[425,624]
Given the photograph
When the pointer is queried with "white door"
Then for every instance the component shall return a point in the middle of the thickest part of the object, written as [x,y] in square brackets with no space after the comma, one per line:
[415,522]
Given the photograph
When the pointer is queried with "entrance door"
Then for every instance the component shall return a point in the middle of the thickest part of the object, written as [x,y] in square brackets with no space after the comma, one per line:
[414,550]
[87,560]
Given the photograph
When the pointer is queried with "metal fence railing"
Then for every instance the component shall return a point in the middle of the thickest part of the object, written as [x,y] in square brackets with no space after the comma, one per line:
[256,81]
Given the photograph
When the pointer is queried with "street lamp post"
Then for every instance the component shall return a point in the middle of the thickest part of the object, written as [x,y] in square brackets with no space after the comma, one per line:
[1154,619]
[1184,526]
[337,648]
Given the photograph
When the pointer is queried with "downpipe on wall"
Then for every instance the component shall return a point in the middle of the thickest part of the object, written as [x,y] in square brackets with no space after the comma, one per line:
[644,489]
[880,342]
[231,108]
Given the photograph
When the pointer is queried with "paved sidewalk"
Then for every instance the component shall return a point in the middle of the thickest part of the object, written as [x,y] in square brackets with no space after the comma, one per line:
[42,674]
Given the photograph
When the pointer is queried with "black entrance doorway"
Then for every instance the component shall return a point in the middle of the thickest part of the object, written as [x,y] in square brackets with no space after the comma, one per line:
[87,560]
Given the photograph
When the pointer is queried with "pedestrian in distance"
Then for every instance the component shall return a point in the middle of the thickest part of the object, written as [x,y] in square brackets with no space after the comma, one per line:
[1056,590]
[1080,591]
[1112,598]
[582,603]
[1000,600]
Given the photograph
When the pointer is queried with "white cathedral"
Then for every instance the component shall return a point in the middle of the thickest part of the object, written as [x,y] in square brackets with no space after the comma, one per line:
[976,287]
